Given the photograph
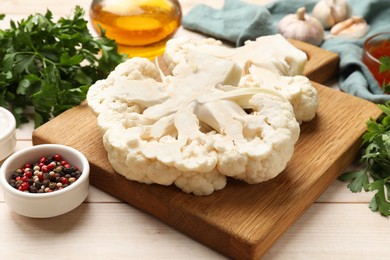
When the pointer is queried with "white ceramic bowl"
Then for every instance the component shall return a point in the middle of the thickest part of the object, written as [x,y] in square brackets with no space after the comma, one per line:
[44,205]
[7,133]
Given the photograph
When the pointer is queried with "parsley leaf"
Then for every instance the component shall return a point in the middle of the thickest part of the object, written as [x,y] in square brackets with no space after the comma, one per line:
[51,65]
[376,157]
[385,63]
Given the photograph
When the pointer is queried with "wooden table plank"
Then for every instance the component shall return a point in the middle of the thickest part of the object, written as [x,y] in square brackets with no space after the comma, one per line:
[95,231]
[335,231]
[117,231]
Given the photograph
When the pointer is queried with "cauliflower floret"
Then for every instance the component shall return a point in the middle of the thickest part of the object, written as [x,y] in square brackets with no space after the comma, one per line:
[136,69]
[252,147]
[201,183]
[280,131]
[304,100]
[177,50]
[144,79]
[296,89]
[126,157]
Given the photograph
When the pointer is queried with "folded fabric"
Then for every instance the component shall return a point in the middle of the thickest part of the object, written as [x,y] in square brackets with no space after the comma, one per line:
[238,21]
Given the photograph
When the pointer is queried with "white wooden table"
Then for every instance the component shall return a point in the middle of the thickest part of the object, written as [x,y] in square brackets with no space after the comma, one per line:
[338,225]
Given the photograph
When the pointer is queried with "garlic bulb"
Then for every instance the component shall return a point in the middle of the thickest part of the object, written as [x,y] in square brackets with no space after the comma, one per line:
[354,27]
[330,12]
[301,26]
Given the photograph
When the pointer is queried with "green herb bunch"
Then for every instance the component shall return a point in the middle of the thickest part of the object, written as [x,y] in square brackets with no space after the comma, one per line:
[375,176]
[50,65]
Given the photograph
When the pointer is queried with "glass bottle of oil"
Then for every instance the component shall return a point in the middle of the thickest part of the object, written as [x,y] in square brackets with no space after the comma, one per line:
[140,27]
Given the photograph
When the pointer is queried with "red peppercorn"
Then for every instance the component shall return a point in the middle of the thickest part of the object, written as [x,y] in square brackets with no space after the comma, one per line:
[50,167]
[28,174]
[24,186]
[64,180]
[67,166]
[40,176]
[44,168]
[43,160]
[63,163]
[57,157]
[24,178]
[17,178]
[27,165]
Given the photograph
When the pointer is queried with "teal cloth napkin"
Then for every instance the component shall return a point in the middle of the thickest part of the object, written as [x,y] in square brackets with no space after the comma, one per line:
[237,22]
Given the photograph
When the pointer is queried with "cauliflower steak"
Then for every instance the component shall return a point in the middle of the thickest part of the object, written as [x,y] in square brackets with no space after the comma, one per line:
[194,127]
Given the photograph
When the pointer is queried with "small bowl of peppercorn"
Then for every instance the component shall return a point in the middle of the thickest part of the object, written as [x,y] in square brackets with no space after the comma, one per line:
[45,181]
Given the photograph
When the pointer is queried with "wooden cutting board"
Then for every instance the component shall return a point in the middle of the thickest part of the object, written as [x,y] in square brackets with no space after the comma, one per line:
[241,221]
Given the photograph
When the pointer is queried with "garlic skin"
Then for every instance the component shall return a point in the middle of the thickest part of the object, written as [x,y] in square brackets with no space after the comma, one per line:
[330,12]
[354,27]
[302,27]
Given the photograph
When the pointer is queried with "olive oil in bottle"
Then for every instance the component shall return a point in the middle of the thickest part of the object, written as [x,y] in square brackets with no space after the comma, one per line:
[140,27]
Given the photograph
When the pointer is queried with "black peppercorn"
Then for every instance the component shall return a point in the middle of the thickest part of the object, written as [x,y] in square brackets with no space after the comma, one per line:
[68,170]
[15,175]
[13,183]
[46,176]
[46,182]
[49,160]
[33,189]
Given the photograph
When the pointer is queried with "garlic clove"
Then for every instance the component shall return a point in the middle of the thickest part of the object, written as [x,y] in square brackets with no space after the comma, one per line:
[301,26]
[330,12]
[354,27]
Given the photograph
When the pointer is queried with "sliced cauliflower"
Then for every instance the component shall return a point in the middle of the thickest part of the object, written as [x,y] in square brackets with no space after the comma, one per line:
[277,68]
[195,128]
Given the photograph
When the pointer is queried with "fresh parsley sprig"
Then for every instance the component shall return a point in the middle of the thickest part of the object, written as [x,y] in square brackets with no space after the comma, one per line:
[50,65]
[375,176]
